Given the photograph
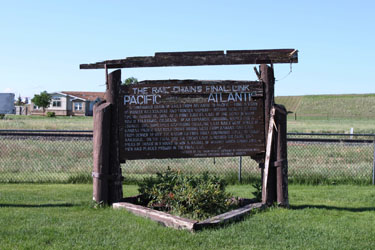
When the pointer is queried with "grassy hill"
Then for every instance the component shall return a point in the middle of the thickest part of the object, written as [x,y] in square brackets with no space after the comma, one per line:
[330,113]
[330,106]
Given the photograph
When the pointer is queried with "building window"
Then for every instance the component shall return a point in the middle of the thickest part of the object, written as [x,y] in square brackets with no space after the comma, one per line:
[78,106]
[56,102]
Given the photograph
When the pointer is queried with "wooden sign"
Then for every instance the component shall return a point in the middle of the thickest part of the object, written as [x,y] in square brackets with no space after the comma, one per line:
[190,118]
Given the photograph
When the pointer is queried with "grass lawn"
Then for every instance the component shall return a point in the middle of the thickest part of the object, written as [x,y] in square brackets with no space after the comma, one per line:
[58,216]
[324,125]
[49,123]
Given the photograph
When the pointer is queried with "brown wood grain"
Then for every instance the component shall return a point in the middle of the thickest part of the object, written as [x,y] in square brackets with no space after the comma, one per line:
[111,96]
[188,124]
[102,117]
[200,58]
[187,224]
[228,216]
[282,157]
[159,216]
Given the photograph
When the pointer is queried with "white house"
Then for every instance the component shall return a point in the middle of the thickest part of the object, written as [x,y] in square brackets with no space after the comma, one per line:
[74,103]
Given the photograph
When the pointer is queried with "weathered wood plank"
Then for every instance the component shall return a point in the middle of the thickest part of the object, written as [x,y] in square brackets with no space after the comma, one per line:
[196,58]
[267,76]
[268,157]
[192,106]
[161,217]
[282,156]
[183,223]
[228,217]
[190,53]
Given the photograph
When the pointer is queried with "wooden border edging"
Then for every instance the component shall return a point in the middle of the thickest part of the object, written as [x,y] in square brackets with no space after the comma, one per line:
[187,224]
[228,216]
[165,219]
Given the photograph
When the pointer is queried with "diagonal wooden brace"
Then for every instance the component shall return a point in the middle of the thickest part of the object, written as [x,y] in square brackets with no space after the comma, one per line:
[268,155]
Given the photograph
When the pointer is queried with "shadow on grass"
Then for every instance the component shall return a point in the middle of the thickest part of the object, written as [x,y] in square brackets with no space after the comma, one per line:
[37,205]
[350,209]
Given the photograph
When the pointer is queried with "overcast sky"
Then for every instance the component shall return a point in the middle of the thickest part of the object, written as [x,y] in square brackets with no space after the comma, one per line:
[42,43]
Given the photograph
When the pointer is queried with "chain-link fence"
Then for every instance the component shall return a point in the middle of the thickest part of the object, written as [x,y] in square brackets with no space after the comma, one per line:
[331,158]
[51,156]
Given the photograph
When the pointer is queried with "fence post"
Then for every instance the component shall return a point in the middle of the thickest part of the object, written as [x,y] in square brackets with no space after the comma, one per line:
[240,170]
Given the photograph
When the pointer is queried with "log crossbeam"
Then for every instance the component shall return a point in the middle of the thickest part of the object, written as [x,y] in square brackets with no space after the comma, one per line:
[200,58]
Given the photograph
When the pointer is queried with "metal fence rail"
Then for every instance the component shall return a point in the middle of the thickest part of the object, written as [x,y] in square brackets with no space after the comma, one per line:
[66,156]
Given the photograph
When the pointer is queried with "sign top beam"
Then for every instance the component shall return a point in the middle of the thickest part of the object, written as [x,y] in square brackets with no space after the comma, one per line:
[200,58]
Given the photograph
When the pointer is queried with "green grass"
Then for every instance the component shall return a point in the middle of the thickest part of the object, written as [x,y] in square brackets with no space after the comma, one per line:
[62,217]
[330,113]
[339,105]
[331,126]
[43,122]
[291,103]
[343,106]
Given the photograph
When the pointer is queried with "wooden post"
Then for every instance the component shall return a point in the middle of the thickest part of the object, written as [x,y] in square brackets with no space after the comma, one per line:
[267,162]
[240,170]
[111,96]
[267,76]
[102,118]
[281,163]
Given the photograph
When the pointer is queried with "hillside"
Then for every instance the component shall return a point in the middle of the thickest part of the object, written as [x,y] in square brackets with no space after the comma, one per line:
[330,106]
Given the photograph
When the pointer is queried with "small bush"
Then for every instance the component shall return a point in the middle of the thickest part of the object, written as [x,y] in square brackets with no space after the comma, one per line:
[2,116]
[196,197]
[51,114]
[258,190]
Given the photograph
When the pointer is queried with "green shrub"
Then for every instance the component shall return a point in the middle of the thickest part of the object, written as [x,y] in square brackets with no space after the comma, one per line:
[2,116]
[51,114]
[196,197]
[258,190]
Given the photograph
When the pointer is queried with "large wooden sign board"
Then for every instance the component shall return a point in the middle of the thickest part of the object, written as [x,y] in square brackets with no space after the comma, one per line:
[191,118]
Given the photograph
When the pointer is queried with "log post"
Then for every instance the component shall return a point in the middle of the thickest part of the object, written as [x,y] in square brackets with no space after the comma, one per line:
[267,76]
[282,157]
[102,116]
[111,96]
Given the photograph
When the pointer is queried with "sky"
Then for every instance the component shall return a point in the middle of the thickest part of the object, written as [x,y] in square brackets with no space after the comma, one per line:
[42,43]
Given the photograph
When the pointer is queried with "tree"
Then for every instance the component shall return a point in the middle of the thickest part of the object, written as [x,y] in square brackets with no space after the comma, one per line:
[130,80]
[19,101]
[42,100]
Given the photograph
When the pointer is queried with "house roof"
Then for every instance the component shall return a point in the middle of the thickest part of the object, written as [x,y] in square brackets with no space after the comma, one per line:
[89,96]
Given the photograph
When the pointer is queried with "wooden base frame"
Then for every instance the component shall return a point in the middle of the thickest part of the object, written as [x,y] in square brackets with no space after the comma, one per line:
[178,222]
